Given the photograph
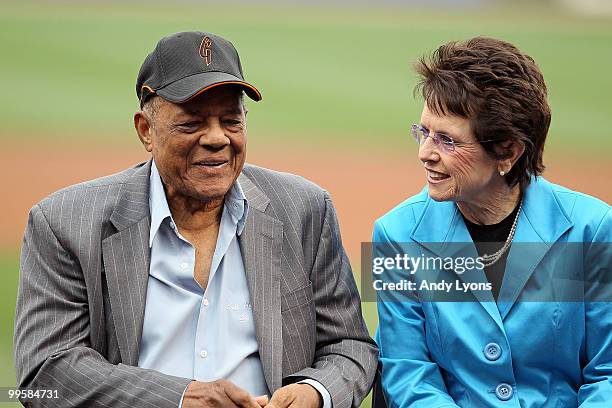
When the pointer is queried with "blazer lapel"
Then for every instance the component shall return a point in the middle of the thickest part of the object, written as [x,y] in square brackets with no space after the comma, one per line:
[261,246]
[126,259]
[454,242]
[541,222]
[465,247]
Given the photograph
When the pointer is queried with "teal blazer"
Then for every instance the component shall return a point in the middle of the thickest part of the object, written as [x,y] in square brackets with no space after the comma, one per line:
[536,347]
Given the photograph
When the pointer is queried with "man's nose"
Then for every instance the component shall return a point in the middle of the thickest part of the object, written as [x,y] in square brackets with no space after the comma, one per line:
[214,135]
[428,150]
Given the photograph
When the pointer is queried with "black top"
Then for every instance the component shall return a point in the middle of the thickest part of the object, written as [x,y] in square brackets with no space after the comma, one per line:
[489,239]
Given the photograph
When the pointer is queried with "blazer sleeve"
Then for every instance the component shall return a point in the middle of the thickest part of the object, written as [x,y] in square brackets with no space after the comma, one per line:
[409,377]
[596,391]
[52,328]
[345,356]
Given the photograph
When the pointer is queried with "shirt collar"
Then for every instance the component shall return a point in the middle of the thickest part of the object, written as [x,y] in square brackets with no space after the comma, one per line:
[235,202]
[157,203]
[237,205]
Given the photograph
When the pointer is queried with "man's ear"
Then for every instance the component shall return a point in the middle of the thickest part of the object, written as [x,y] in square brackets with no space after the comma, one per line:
[144,128]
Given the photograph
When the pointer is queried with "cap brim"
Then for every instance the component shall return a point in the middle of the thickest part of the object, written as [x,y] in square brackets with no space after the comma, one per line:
[186,88]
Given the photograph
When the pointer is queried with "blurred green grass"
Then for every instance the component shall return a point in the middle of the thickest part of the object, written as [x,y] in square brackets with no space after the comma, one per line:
[9,267]
[338,75]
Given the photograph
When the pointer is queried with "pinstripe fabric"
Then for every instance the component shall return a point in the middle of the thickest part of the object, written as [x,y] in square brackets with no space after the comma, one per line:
[83,280]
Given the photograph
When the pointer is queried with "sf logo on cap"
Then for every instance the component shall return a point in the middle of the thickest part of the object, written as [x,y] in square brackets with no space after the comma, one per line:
[206,51]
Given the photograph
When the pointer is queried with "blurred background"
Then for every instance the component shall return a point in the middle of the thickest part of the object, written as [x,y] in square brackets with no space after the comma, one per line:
[337,82]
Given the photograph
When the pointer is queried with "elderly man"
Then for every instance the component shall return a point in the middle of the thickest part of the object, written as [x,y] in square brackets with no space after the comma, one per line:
[193,279]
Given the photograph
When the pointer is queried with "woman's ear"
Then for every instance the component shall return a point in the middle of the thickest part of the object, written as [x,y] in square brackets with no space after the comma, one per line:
[144,128]
[514,150]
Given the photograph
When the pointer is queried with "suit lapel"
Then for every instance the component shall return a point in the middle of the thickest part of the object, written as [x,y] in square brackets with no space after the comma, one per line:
[126,259]
[465,248]
[541,222]
[453,242]
[261,246]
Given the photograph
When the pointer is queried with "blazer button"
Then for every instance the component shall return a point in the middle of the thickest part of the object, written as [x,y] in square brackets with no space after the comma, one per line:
[492,351]
[504,392]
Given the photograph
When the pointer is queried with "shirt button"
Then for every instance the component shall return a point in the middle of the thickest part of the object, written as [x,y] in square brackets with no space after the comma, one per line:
[203,353]
[184,265]
[205,302]
[172,225]
[492,351]
[504,392]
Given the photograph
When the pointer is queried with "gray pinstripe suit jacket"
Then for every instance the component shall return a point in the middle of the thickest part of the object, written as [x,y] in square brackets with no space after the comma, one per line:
[83,280]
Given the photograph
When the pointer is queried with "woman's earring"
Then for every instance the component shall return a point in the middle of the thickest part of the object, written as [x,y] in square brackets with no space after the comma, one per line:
[502,173]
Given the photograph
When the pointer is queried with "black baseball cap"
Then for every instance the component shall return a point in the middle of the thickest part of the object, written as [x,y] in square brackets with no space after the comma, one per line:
[184,65]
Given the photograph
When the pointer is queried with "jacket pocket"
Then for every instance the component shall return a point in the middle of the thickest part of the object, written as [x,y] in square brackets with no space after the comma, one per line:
[296,297]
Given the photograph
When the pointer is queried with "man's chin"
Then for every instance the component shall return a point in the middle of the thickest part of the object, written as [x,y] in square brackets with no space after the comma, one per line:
[215,191]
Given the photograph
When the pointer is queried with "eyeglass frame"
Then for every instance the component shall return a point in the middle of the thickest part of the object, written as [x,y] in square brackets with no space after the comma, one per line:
[436,137]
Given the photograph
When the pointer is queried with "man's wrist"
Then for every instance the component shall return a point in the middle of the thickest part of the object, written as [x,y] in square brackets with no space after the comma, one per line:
[183,395]
[324,396]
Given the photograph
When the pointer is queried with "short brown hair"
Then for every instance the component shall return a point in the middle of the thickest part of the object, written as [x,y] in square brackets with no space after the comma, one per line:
[499,89]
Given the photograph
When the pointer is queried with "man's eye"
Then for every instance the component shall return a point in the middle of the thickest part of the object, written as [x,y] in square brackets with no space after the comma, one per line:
[188,127]
[232,122]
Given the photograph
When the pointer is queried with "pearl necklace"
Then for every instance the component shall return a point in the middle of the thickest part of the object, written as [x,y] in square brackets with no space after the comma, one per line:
[488,260]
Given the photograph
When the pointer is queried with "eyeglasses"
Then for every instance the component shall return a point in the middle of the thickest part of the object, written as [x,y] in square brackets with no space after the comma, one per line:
[446,142]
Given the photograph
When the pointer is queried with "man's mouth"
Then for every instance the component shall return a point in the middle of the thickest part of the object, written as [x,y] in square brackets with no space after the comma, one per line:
[211,163]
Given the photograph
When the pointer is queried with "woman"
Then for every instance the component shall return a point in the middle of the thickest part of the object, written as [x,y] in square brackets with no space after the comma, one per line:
[539,333]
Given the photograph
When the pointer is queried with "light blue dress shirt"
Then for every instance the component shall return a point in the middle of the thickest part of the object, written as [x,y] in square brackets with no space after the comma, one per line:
[188,332]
